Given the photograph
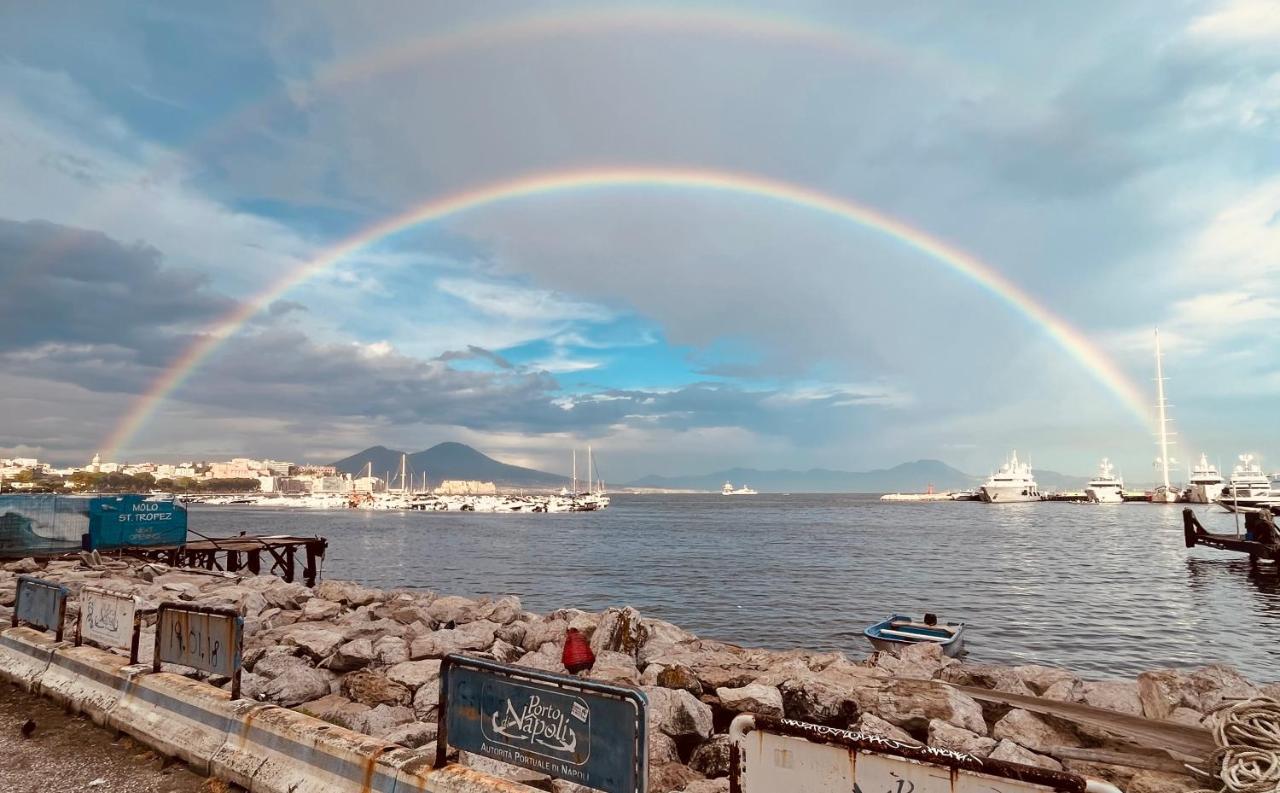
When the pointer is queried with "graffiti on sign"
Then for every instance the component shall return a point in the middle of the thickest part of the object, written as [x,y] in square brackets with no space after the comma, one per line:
[582,731]
[109,619]
[782,754]
[41,604]
[202,637]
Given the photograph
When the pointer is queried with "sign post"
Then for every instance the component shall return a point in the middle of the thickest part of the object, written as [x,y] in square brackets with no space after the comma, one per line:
[590,733]
[109,619]
[771,754]
[40,603]
[203,637]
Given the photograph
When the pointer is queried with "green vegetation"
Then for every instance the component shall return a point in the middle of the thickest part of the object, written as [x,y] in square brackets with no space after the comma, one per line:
[29,481]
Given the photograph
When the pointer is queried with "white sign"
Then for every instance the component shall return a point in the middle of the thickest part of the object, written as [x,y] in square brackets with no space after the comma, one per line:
[107,617]
[773,762]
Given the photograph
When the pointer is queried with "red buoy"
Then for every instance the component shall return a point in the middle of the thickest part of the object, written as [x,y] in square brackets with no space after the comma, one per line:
[577,656]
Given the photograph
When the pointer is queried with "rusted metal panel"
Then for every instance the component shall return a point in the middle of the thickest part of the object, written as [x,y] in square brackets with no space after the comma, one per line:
[781,754]
[590,733]
[40,604]
[202,637]
[109,619]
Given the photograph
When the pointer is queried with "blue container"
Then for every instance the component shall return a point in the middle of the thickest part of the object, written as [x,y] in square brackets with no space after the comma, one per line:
[46,524]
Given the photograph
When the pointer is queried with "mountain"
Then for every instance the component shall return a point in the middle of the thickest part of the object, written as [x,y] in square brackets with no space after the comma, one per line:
[449,461]
[906,477]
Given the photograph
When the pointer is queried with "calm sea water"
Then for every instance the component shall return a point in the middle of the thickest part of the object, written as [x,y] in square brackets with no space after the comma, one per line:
[1104,590]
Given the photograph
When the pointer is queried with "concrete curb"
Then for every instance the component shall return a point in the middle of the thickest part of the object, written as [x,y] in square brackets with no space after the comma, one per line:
[261,747]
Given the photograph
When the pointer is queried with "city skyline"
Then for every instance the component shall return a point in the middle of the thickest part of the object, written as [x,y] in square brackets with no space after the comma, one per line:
[623,225]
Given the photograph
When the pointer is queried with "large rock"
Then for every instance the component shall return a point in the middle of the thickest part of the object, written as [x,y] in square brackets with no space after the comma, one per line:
[413,735]
[546,659]
[371,688]
[912,704]
[383,719]
[671,777]
[426,700]
[819,702]
[472,636]
[353,655]
[660,636]
[290,596]
[1040,678]
[316,642]
[620,630]
[271,662]
[390,650]
[918,661]
[414,674]
[1032,731]
[720,785]
[948,736]
[1118,695]
[677,676]
[452,609]
[662,749]
[754,698]
[711,759]
[1011,752]
[296,685]
[347,592]
[614,667]
[339,710]
[1211,686]
[989,676]
[871,724]
[505,652]
[320,610]
[678,713]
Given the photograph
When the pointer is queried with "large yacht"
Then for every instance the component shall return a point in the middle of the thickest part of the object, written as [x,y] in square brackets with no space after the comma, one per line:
[1205,483]
[1248,485]
[1013,482]
[1105,488]
[730,490]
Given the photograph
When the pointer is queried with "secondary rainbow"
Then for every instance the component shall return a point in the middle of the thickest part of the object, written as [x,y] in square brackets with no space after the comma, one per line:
[1072,341]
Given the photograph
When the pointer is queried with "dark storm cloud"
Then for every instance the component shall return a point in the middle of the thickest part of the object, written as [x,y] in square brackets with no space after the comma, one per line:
[476,353]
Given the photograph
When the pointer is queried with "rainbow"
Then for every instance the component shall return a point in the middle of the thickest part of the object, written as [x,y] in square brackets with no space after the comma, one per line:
[1072,341]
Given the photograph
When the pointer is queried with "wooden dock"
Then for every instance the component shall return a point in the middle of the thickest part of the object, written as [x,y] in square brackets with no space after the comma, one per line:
[243,552]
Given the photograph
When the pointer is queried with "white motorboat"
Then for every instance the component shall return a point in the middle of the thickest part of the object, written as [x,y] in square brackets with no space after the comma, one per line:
[1012,483]
[1249,487]
[1105,488]
[730,490]
[1205,483]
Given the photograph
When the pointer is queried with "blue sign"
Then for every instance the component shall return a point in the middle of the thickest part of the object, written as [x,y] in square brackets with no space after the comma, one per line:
[40,603]
[578,730]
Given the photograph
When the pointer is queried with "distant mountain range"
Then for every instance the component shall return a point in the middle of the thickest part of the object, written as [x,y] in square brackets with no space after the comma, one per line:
[460,461]
[449,461]
[907,477]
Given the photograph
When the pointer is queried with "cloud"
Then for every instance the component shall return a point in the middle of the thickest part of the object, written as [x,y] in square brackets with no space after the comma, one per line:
[472,352]
[516,303]
[1240,21]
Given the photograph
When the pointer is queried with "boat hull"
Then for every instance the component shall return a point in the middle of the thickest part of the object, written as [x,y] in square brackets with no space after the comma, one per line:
[1104,495]
[1203,494]
[880,638]
[1007,495]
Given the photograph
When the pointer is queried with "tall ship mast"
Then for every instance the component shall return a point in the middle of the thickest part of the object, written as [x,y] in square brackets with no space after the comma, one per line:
[1165,494]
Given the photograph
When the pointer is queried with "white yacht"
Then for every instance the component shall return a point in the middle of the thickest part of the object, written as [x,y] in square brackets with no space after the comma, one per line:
[1248,483]
[1205,483]
[1105,488]
[730,490]
[1013,482]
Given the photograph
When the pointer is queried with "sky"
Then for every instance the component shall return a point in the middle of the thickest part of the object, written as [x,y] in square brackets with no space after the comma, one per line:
[165,168]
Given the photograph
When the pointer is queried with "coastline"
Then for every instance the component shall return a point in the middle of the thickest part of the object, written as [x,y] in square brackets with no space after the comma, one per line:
[368,660]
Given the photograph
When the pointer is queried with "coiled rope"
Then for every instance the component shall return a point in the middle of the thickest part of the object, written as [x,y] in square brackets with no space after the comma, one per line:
[1248,737]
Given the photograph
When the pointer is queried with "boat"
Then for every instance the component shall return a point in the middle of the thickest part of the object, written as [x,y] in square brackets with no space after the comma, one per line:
[1105,488]
[1249,488]
[1205,483]
[730,490]
[1164,493]
[966,495]
[1012,483]
[899,630]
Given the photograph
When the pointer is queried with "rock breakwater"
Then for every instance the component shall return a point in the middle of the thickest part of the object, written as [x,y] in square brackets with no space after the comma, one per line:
[369,660]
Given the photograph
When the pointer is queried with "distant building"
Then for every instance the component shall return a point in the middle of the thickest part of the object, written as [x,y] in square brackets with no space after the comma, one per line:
[369,484]
[466,487]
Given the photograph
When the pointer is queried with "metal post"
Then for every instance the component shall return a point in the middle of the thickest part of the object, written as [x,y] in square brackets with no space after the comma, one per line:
[155,662]
[62,618]
[136,640]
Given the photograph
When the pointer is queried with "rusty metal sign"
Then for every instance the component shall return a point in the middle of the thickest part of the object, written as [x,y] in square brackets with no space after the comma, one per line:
[109,619]
[41,604]
[772,755]
[590,733]
[203,637]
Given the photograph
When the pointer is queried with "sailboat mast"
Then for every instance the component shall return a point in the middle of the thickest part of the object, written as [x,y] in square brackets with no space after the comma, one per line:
[575,471]
[590,478]
[1164,430]
[404,483]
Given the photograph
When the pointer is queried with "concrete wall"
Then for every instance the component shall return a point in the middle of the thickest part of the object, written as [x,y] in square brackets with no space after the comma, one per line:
[261,747]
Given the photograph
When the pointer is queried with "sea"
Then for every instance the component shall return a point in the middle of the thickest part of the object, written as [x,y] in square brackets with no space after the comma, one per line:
[1104,590]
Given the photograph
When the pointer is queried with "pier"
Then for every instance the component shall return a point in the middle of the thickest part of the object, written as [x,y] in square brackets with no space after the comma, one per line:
[243,552]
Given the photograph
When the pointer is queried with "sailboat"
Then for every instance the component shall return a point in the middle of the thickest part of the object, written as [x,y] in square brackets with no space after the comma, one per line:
[1165,493]
[594,497]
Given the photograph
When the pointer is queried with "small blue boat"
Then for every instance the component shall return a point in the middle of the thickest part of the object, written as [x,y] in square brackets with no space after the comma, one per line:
[898,630]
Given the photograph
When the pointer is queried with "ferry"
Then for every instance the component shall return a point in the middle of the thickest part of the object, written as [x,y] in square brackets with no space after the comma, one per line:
[1012,483]
[1105,488]
[730,490]
[1205,483]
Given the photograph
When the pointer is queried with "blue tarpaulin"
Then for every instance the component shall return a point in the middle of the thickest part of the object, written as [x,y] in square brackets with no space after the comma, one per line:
[45,524]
